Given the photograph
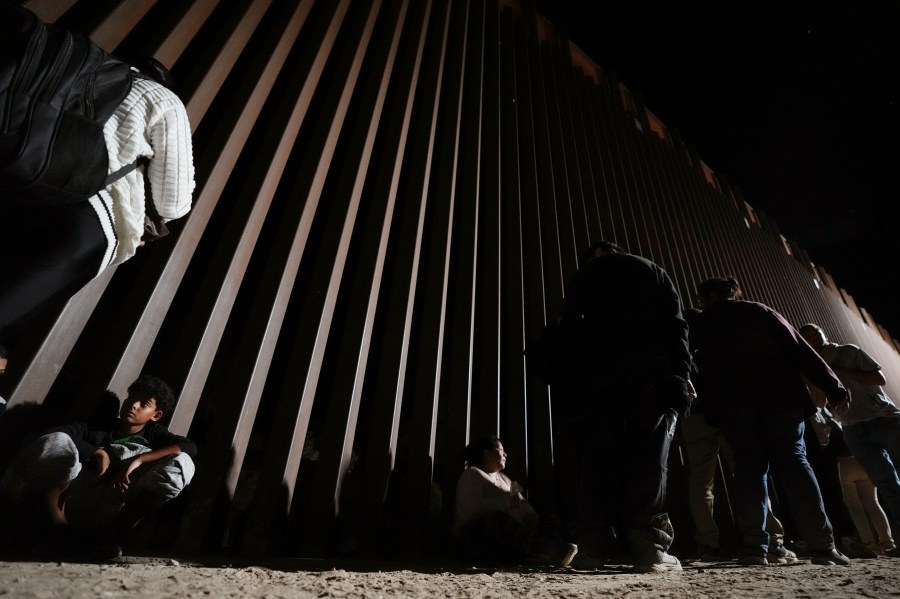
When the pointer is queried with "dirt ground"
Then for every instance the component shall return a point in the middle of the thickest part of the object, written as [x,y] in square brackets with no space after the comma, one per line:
[163,577]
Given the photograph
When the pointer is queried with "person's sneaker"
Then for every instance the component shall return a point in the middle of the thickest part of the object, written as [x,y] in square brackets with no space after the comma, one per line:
[856,549]
[711,554]
[563,554]
[752,557]
[663,562]
[778,554]
[894,552]
[828,557]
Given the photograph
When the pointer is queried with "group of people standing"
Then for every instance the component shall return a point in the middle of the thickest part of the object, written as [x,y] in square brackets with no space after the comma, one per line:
[636,363]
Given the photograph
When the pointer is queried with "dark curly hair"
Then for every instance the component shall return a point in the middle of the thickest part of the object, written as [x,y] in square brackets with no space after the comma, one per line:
[474,453]
[158,388]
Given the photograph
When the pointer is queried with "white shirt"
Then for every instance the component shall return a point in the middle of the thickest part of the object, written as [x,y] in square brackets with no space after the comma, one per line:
[150,122]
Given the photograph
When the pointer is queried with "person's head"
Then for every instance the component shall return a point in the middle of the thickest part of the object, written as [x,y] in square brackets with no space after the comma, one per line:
[149,399]
[4,360]
[598,249]
[152,68]
[814,335]
[715,289]
[486,453]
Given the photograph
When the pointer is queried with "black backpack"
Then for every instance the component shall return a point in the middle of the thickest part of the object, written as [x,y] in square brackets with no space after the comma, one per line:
[57,89]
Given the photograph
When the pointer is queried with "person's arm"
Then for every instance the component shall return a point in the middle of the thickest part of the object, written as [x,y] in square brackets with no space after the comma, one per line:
[675,327]
[171,169]
[864,369]
[123,478]
[810,363]
[80,435]
[159,436]
[871,377]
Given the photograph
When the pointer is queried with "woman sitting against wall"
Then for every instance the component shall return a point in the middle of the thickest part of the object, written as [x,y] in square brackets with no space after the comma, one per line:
[494,522]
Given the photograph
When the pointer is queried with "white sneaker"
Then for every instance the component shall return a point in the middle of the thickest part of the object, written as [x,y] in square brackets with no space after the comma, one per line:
[663,563]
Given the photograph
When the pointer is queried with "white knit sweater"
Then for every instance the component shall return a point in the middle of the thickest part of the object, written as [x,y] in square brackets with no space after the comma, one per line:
[150,122]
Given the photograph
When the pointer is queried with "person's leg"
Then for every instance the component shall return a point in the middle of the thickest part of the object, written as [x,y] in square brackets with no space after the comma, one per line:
[43,464]
[647,530]
[852,475]
[598,481]
[875,513]
[160,482]
[701,445]
[48,255]
[742,429]
[33,495]
[773,526]
[872,444]
[497,537]
[783,432]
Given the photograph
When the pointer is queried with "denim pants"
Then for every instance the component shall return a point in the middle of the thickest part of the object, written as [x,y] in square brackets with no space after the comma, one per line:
[876,446]
[766,436]
[704,445]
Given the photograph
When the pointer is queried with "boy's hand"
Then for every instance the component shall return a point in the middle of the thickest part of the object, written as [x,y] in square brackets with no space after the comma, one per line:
[123,480]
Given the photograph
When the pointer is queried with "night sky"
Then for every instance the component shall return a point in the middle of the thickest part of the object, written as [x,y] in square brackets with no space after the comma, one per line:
[795,102]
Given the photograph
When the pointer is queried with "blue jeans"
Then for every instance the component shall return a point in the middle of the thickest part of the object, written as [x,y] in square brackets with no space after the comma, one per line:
[766,436]
[876,446]
[703,445]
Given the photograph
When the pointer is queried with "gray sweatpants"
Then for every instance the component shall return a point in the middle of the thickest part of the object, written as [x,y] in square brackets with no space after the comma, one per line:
[92,502]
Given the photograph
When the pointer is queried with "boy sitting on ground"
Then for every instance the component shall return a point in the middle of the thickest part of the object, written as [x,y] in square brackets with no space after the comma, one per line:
[98,484]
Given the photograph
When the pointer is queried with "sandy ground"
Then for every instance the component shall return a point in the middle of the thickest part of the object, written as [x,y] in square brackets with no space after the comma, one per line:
[157,577]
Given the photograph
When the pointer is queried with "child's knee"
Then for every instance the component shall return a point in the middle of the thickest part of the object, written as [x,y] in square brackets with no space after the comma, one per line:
[168,477]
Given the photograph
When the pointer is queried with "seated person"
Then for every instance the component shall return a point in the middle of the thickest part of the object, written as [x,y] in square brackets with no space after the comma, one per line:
[494,522]
[98,484]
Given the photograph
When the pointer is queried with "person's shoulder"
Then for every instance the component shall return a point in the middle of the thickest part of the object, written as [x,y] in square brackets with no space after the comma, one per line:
[472,474]
[154,92]
[848,347]
[155,428]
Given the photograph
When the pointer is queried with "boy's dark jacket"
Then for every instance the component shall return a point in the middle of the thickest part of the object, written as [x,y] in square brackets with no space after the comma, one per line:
[153,435]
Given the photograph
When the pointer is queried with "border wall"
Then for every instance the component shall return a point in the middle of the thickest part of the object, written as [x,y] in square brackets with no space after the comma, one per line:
[391,196]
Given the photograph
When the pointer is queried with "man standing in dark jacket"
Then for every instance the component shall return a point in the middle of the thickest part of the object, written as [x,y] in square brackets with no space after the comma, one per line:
[634,347]
[754,362]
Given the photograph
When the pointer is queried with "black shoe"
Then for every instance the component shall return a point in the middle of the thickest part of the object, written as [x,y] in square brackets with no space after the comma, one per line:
[829,557]
[856,549]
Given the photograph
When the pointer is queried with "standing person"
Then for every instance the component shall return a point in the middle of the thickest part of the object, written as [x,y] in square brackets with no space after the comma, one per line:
[871,424]
[703,445]
[49,253]
[837,470]
[493,521]
[754,362]
[634,347]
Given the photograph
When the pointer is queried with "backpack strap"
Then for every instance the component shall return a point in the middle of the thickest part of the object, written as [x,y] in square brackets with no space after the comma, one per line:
[118,174]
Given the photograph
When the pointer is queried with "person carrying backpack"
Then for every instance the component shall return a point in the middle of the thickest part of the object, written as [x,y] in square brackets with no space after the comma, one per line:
[50,247]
